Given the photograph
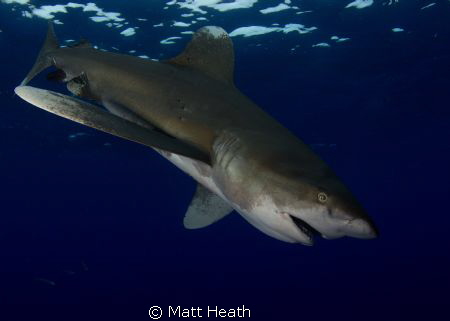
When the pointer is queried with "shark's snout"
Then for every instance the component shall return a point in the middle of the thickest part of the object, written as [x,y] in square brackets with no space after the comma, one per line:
[335,223]
[361,228]
[350,219]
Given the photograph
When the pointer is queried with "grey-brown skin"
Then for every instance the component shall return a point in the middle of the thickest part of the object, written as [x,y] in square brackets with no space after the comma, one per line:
[258,166]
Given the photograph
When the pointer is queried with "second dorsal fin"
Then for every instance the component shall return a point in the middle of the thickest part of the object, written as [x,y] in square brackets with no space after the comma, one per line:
[211,52]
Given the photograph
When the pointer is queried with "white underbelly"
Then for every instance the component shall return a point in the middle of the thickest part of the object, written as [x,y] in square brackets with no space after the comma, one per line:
[199,171]
[202,173]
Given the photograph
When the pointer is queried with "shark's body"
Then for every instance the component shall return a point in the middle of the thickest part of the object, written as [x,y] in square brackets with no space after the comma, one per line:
[241,157]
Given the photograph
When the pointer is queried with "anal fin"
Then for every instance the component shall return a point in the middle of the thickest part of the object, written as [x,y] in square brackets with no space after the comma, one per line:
[205,209]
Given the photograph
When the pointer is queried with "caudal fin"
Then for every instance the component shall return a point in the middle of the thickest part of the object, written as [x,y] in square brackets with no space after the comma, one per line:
[43,61]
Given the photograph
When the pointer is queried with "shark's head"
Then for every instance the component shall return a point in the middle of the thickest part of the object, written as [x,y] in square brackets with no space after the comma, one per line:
[318,202]
[289,194]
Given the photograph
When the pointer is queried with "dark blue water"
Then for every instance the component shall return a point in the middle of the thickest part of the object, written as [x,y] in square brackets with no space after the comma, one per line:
[102,217]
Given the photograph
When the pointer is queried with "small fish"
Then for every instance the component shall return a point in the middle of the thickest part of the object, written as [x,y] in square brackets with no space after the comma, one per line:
[69,272]
[45,281]
[84,266]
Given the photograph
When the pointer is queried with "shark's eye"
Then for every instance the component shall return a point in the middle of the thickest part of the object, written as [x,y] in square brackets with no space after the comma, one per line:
[322,197]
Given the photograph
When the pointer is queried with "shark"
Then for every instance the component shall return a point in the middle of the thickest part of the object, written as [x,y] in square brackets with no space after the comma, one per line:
[189,110]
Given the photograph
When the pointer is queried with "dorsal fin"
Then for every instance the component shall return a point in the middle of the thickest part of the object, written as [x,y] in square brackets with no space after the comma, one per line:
[211,52]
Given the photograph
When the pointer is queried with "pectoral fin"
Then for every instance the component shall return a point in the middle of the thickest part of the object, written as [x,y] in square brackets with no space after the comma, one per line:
[205,209]
[92,116]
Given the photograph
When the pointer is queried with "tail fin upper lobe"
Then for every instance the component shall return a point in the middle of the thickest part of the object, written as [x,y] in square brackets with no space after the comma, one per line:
[43,61]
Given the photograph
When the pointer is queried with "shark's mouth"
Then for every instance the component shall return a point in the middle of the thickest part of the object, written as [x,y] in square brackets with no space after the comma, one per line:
[304,227]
